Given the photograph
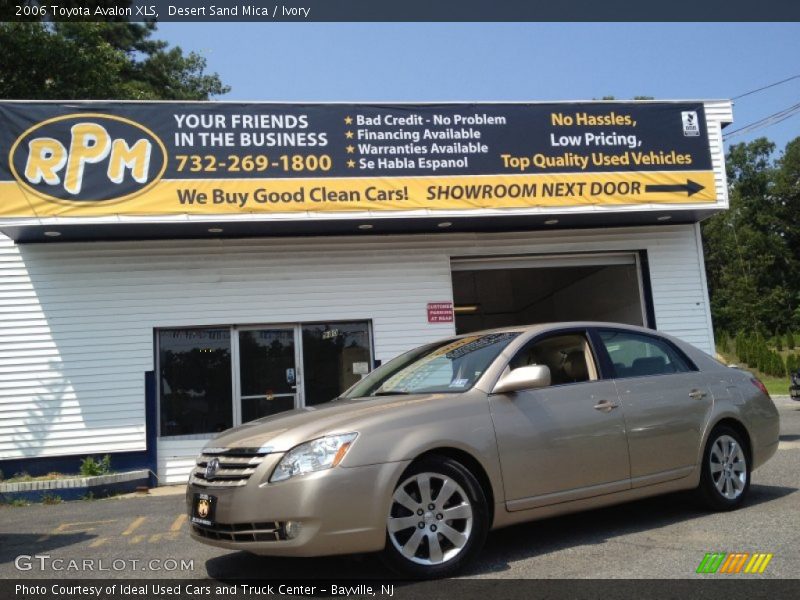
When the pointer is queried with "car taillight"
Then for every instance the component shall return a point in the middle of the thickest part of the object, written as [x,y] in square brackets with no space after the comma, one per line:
[756,382]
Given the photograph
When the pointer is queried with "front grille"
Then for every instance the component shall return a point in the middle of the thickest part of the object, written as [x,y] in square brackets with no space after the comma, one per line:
[236,465]
[271,531]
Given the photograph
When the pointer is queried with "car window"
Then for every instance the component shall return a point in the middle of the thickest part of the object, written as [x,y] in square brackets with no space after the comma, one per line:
[449,366]
[635,354]
[568,357]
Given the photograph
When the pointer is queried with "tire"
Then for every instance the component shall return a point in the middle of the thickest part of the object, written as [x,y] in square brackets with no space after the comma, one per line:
[725,476]
[421,541]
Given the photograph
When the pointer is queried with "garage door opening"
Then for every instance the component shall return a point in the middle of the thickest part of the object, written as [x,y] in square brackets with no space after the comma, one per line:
[507,291]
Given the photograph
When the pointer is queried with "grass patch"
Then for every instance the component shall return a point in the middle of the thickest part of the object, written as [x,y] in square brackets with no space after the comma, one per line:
[16,502]
[90,467]
[776,386]
[22,477]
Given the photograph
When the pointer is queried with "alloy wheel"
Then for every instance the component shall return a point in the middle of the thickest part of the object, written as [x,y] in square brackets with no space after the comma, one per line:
[431,519]
[728,467]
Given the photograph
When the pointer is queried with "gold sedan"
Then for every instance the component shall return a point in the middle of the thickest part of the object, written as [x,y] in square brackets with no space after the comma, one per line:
[421,458]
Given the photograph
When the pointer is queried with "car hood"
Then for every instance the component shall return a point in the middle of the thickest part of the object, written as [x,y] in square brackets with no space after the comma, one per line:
[279,433]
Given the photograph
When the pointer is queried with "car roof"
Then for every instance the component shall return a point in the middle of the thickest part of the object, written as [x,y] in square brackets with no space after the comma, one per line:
[537,327]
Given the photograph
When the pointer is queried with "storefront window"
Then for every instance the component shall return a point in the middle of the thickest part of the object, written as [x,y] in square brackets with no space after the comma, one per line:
[335,356]
[195,381]
[206,387]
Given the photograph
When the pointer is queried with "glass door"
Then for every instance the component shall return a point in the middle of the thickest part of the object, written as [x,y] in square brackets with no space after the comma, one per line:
[267,371]
[335,356]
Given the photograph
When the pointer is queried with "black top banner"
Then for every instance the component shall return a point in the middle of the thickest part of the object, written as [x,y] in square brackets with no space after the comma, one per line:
[422,139]
[406,11]
[99,158]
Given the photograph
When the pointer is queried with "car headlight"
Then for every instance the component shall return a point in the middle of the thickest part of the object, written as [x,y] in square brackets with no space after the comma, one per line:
[316,455]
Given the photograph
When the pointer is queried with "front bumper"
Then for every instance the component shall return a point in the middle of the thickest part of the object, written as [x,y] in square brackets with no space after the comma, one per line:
[340,511]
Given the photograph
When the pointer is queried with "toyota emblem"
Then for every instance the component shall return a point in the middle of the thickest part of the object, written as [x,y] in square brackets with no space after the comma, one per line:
[211,468]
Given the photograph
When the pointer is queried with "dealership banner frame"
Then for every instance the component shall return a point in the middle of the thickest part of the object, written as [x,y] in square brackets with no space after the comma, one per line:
[96,159]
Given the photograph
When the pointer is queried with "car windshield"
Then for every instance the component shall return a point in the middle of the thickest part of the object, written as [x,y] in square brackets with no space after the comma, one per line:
[452,366]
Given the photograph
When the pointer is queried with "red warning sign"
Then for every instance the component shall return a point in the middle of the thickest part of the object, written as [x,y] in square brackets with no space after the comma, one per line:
[440,312]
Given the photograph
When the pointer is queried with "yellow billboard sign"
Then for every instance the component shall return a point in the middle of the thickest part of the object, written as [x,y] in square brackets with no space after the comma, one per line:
[227,159]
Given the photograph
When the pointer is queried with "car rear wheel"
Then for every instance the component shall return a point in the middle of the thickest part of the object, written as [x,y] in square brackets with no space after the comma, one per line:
[725,479]
[437,521]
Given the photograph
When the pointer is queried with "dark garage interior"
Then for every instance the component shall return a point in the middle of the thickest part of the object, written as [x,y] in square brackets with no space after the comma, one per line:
[495,296]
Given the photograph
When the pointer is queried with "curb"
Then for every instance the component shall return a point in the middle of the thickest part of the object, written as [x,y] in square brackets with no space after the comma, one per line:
[74,488]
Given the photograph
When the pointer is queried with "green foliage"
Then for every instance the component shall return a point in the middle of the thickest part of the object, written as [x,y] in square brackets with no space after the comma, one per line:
[789,340]
[739,344]
[778,340]
[83,60]
[51,499]
[792,363]
[753,350]
[777,366]
[751,252]
[724,342]
[91,467]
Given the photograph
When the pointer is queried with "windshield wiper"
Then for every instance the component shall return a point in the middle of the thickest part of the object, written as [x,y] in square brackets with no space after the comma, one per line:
[389,393]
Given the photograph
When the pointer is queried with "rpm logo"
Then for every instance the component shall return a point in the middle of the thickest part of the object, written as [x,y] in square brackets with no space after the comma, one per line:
[88,158]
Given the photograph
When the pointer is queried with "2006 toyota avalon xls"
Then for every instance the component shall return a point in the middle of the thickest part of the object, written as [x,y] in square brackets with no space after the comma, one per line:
[425,455]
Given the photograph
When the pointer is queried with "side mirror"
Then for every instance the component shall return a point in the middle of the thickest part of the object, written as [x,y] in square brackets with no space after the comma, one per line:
[523,378]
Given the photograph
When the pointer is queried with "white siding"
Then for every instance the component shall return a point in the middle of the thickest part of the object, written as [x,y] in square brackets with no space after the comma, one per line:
[718,114]
[77,319]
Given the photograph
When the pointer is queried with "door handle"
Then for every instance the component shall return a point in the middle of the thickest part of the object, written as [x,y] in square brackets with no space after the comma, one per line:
[697,394]
[605,405]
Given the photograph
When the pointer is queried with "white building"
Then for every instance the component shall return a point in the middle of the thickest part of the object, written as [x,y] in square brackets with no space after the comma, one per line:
[238,315]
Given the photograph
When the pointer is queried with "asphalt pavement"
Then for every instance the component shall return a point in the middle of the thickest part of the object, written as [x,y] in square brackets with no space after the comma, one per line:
[665,537]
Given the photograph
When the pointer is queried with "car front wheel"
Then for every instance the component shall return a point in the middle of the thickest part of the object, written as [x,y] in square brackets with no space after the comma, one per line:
[437,521]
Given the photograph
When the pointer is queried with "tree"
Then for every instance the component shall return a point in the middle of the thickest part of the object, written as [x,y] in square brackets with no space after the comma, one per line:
[779,367]
[791,363]
[787,189]
[752,257]
[113,60]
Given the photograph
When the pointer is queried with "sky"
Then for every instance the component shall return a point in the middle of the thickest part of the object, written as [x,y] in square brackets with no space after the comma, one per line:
[506,61]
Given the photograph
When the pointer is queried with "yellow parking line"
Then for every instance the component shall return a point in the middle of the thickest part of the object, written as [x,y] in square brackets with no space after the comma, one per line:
[154,538]
[178,523]
[136,539]
[98,542]
[134,526]
[64,526]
